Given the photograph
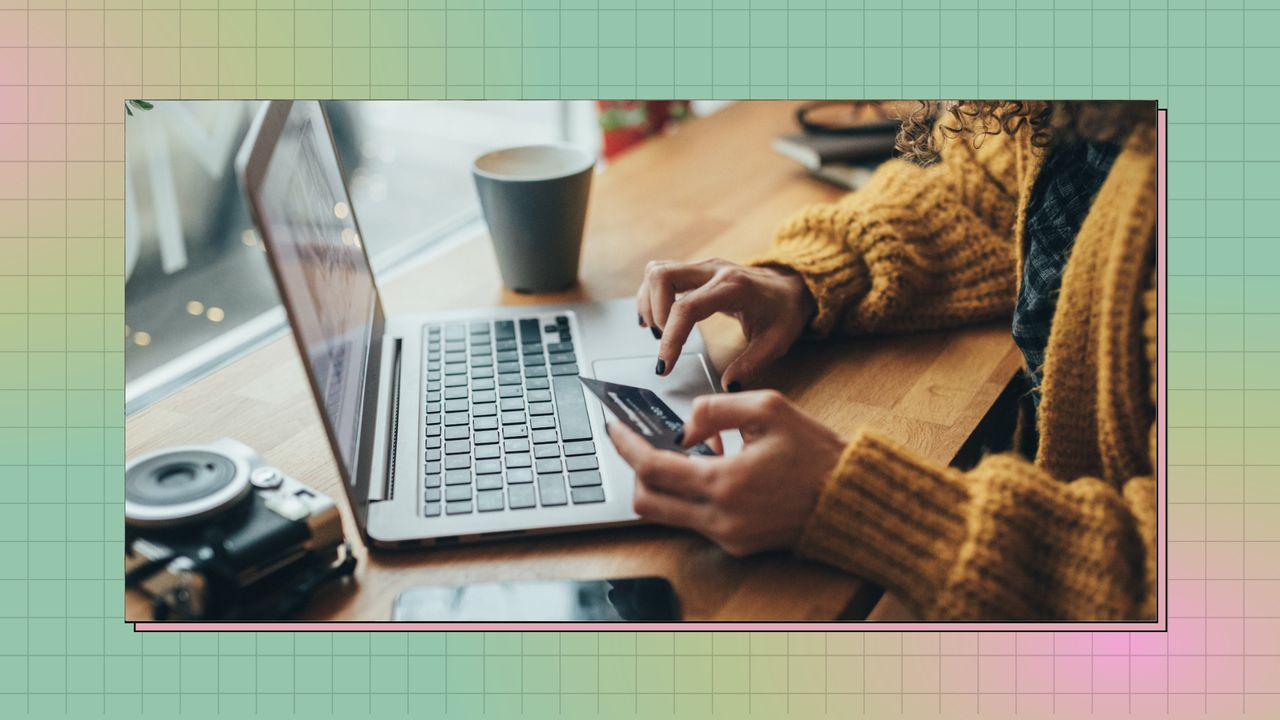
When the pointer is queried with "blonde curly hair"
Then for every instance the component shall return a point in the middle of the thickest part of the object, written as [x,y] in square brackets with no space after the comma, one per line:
[929,123]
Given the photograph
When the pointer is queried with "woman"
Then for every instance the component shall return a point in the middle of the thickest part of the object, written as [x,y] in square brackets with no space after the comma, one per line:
[1042,213]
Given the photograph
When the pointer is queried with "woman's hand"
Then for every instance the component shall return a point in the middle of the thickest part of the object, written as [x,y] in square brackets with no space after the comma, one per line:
[757,500]
[773,306]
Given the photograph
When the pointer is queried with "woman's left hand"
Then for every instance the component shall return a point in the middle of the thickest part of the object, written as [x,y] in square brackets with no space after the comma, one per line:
[757,500]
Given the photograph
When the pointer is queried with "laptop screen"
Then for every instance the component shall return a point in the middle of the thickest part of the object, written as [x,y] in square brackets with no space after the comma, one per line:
[322,271]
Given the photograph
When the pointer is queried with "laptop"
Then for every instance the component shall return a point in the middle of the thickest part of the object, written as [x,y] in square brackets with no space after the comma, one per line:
[452,426]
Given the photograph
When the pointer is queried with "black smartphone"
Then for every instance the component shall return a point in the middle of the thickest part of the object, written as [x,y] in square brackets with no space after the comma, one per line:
[638,599]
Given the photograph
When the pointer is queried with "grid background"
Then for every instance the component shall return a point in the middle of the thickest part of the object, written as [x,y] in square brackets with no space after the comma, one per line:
[67,65]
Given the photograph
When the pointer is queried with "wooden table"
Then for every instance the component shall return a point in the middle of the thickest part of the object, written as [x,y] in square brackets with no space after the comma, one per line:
[714,188]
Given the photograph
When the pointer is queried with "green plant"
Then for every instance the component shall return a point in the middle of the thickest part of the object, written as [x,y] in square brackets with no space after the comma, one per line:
[141,105]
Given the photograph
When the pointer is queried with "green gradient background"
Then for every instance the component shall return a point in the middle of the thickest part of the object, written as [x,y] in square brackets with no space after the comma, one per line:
[67,65]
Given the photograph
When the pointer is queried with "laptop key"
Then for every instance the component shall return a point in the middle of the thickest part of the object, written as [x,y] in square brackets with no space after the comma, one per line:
[519,460]
[537,371]
[485,423]
[544,436]
[572,408]
[520,497]
[432,419]
[457,447]
[550,328]
[457,477]
[540,409]
[533,348]
[529,330]
[537,384]
[433,468]
[457,462]
[508,367]
[512,446]
[506,356]
[457,492]
[455,369]
[482,384]
[483,396]
[487,452]
[455,357]
[433,430]
[486,437]
[431,494]
[519,476]
[479,326]
[481,361]
[488,467]
[581,462]
[560,347]
[433,396]
[515,431]
[510,391]
[461,507]
[548,465]
[505,345]
[583,495]
[535,359]
[484,409]
[481,372]
[581,447]
[564,370]
[454,331]
[456,418]
[509,379]
[431,481]
[457,432]
[504,329]
[433,455]
[455,381]
[512,404]
[431,509]
[489,500]
[585,478]
[433,386]
[546,451]
[513,418]
[455,393]
[488,482]
[551,490]
[539,396]
[566,358]
[456,405]
[433,442]
[543,422]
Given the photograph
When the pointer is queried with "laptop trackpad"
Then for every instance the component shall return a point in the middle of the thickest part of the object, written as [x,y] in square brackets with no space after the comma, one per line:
[690,378]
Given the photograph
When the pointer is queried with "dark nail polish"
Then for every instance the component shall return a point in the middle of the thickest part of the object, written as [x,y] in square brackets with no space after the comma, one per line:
[657,334]
[640,319]
[661,366]
[735,386]
[680,438]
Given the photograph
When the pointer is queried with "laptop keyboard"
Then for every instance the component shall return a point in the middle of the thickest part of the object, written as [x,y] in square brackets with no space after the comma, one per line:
[506,425]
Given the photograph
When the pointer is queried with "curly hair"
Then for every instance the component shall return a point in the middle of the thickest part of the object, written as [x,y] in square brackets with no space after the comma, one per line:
[929,123]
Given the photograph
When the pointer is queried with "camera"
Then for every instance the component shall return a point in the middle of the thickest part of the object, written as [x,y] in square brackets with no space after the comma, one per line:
[215,533]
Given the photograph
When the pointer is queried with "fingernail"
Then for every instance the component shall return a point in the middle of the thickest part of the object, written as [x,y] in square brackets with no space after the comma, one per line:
[657,334]
[680,438]
[640,319]
[661,367]
[735,386]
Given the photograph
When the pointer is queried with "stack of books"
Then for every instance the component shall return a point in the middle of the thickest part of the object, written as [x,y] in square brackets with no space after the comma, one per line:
[844,159]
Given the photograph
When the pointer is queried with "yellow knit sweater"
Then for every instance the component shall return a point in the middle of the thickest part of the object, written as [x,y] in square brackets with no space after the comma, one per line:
[1071,536]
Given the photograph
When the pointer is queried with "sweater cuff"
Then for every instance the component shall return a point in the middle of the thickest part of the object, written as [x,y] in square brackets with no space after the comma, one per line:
[834,275]
[888,516]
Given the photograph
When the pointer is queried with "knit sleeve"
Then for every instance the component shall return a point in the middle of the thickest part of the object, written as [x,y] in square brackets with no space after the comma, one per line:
[1005,540]
[918,248]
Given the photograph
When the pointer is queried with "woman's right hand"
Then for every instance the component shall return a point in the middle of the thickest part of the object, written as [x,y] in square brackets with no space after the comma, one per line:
[772,305]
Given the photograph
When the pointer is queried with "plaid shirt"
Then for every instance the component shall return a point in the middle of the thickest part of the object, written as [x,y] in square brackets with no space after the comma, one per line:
[1059,202]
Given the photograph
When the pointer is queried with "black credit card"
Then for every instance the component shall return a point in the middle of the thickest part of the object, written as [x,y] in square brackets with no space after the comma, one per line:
[644,412]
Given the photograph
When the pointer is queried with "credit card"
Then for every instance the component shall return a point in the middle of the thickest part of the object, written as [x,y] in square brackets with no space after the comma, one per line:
[644,412]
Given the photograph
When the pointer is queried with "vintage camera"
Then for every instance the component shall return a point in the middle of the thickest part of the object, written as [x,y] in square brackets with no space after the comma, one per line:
[214,533]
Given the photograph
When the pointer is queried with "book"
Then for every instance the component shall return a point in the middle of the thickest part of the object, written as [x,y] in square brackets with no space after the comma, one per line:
[814,151]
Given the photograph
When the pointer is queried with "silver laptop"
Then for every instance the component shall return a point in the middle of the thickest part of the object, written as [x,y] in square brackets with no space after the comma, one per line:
[450,426]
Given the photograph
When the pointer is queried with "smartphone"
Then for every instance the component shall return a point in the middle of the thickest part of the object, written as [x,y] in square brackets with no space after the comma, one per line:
[638,599]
